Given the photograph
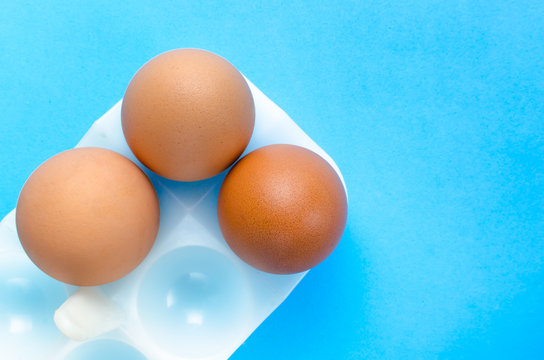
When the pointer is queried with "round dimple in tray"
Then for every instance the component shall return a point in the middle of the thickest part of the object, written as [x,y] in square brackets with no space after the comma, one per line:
[191,298]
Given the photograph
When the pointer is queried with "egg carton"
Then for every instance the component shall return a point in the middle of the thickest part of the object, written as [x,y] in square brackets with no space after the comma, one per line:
[191,298]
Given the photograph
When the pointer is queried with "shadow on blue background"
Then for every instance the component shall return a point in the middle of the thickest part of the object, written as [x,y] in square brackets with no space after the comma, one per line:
[433,111]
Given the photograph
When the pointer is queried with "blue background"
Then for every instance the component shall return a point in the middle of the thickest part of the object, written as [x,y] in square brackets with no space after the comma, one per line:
[434,112]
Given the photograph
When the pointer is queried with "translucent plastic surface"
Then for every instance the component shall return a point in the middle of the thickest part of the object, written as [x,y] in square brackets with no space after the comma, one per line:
[201,308]
[105,350]
[28,297]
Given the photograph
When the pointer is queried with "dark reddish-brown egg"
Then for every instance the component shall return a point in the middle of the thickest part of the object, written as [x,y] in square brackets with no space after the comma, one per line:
[188,114]
[282,209]
[87,216]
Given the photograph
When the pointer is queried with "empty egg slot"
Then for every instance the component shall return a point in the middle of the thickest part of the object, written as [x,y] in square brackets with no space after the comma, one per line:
[28,297]
[194,302]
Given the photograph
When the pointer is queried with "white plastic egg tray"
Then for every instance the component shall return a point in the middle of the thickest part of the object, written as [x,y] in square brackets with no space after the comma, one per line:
[191,298]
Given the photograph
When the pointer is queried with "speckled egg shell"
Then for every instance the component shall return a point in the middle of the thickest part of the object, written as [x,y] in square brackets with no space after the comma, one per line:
[282,209]
[188,114]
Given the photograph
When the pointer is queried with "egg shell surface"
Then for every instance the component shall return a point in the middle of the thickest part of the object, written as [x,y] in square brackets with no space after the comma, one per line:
[282,209]
[188,114]
[87,216]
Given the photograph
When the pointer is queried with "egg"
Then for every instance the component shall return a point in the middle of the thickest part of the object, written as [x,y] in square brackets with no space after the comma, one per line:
[87,216]
[282,209]
[188,114]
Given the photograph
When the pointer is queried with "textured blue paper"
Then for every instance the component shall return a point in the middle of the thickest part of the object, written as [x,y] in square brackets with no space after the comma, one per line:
[434,111]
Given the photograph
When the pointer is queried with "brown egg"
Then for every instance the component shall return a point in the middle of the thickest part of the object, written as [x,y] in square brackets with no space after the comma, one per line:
[188,114]
[87,216]
[282,209]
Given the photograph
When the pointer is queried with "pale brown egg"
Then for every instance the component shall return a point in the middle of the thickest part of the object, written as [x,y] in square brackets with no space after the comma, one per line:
[87,216]
[282,209]
[188,114]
